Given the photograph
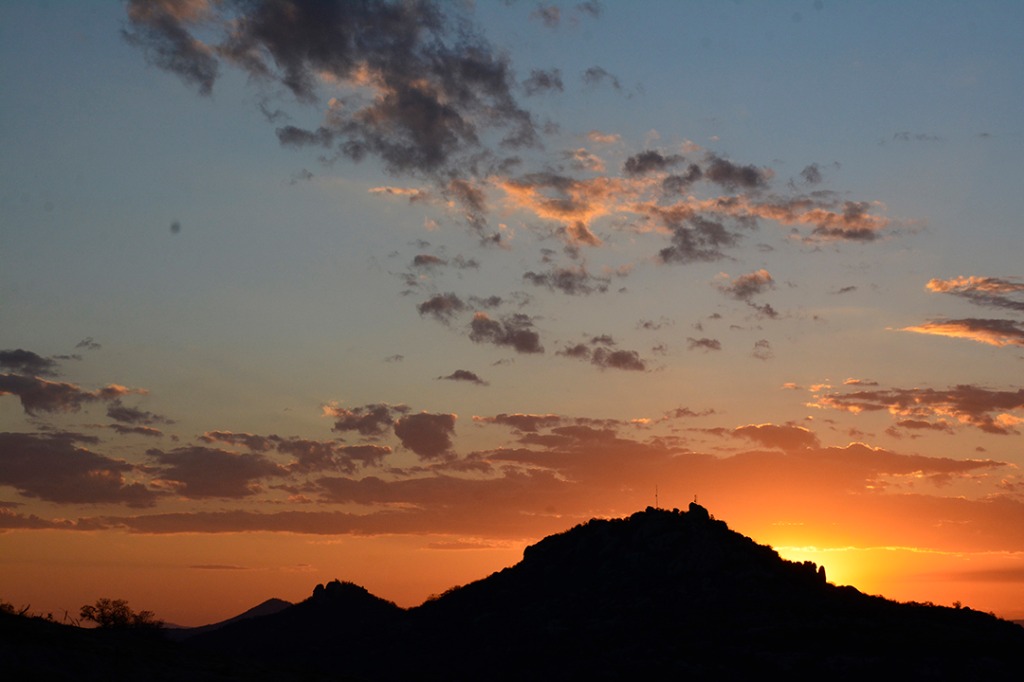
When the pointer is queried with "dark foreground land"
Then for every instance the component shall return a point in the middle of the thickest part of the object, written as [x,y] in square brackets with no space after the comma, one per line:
[661,593]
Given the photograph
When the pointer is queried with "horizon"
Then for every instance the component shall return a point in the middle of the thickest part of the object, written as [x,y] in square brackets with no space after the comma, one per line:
[385,293]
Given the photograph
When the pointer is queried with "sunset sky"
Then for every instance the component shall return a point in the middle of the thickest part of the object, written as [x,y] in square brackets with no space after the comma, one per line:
[385,292]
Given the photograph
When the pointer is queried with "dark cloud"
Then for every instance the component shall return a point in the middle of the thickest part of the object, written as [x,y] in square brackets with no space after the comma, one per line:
[489,302]
[436,84]
[550,15]
[372,420]
[248,440]
[56,468]
[854,223]
[427,261]
[201,472]
[995,292]
[763,350]
[732,176]
[572,281]
[650,161]
[591,7]
[696,239]
[39,395]
[811,174]
[681,412]
[20,361]
[442,307]
[746,286]
[703,344]
[601,353]
[310,455]
[653,325]
[991,411]
[513,330]
[471,198]
[120,412]
[678,183]
[542,80]
[161,29]
[907,136]
[529,423]
[784,437]
[88,344]
[136,430]
[465,375]
[597,75]
[463,263]
[428,435]
[618,359]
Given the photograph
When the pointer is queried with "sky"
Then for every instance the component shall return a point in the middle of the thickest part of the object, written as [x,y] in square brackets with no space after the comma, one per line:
[386,292]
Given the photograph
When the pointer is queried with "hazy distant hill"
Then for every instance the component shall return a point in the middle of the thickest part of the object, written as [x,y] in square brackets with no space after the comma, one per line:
[671,594]
[662,592]
[265,608]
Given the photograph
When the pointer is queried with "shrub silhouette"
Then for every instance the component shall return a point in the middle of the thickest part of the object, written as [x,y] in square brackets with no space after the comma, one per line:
[116,614]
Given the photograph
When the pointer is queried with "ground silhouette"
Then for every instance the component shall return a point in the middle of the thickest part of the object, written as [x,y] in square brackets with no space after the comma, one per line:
[663,592]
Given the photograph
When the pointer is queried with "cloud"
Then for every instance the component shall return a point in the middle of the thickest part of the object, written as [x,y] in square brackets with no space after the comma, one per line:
[648,161]
[310,455]
[442,307]
[162,30]
[513,330]
[746,286]
[39,395]
[985,291]
[992,332]
[597,75]
[732,176]
[694,239]
[416,87]
[55,467]
[703,344]
[618,359]
[763,350]
[530,423]
[20,361]
[991,411]
[120,412]
[465,375]
[136,430]
[601,354]
[88,344]
[583,160]
[550,15]
[372,420]
[198,472]
[427,261]
[784,437]
[811,174]
[543,80]
[575,281]
[428,435]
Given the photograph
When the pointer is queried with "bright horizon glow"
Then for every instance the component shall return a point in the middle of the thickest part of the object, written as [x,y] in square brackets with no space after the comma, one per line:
[389,314]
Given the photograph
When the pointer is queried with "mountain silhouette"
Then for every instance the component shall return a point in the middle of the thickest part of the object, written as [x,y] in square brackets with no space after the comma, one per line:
[661,592]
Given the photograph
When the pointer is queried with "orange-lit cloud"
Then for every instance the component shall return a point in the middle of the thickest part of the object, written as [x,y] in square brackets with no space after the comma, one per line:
[991,332]
[991,411]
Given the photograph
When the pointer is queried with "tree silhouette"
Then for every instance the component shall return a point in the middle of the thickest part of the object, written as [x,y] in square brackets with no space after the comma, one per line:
[116,614]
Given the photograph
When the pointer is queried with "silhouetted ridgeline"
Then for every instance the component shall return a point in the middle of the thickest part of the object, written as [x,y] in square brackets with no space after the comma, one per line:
[660,593]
